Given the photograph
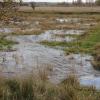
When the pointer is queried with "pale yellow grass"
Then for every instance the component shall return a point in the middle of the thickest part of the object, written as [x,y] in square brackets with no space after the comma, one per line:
[61,9]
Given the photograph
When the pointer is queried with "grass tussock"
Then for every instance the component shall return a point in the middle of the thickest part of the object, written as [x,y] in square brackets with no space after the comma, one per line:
[39,88]
[96,61]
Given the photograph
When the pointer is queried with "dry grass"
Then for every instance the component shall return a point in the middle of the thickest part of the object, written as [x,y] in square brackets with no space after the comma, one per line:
[39,88]
[33,32]
[61,9]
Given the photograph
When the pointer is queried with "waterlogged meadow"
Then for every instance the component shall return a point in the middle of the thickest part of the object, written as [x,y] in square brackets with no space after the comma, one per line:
[59,46]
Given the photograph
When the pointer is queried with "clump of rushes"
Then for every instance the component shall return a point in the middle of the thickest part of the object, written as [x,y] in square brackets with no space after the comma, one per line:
[84,43]
[35,88]
[96,55]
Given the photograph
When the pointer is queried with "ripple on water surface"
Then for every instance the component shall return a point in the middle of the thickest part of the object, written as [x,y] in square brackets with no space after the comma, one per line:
[29,56]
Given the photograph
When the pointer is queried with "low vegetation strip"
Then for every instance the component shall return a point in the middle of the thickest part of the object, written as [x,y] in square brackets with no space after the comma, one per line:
[62,9]
[38,88]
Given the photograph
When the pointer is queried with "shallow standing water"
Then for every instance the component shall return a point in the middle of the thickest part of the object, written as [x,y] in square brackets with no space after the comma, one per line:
[30,57]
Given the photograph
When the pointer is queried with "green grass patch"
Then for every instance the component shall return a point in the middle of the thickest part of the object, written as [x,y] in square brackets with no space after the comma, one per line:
[56,43]
[84,43]
[69,35]
[6,44]
[90,40]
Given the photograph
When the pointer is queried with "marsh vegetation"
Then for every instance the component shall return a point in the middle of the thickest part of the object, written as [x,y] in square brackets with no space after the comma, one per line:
[63,44]
[39,88]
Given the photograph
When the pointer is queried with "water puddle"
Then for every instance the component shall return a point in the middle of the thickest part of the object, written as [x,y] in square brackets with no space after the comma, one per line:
[73,20]
[26,24]
[30,57]
[51,35]
[68,32]
[68,20]
[92,80]
[6,30]
[80,22]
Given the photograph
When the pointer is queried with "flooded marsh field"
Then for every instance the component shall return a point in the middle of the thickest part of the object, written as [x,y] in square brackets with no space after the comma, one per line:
[33,51]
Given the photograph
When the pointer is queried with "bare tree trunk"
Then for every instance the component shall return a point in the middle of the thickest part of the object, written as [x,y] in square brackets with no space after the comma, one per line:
[33,5]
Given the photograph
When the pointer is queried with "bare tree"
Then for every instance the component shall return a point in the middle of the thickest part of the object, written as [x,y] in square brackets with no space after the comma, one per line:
[33,5]
[79,1]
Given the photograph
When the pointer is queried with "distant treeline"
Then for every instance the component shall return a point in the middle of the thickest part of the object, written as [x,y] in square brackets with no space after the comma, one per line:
[73,3]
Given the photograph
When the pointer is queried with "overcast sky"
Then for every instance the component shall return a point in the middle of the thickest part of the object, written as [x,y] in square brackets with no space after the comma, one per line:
[52,0]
